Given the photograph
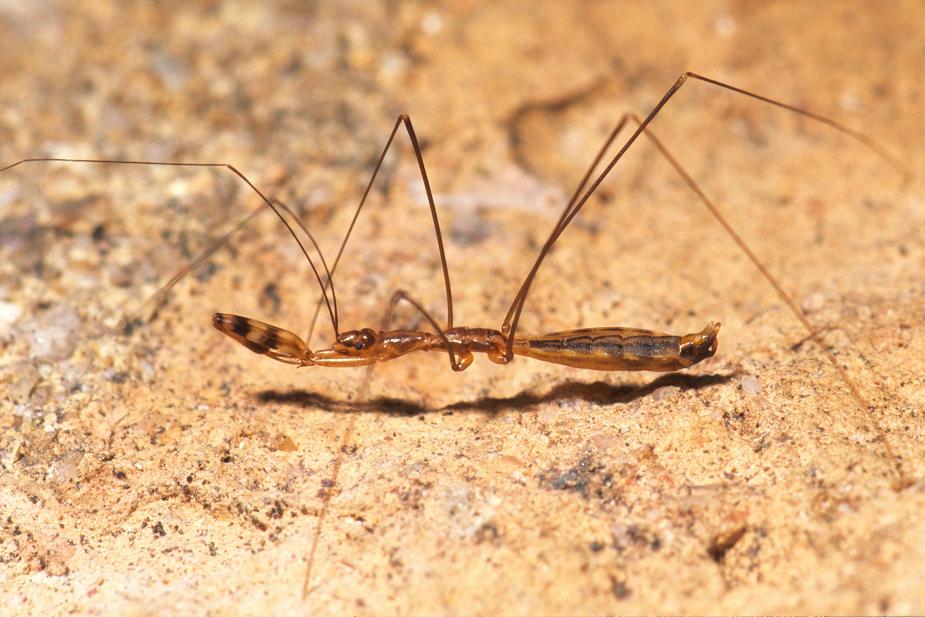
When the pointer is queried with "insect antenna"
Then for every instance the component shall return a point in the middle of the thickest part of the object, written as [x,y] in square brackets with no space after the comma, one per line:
[328,273]
[159,295]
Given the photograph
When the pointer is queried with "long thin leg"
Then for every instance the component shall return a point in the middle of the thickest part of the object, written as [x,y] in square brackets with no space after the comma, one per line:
[509,327]
[812,332]
[332,307]
[522,292]
[743,246]
[403,120]
[456,365]
[458,362]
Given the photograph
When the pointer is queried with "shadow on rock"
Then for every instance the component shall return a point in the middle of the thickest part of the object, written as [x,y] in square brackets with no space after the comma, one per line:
[598,393]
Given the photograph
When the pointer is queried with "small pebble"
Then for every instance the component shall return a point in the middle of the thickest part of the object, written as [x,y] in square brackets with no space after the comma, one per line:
[850,102]
[9,314]
[50,422]
[813,302]
[605,441]
[393,66]
[751,385]
[548,414]
[725,25]
[665,393]
[432,24]
[25,382]
[621,537]
[53,335]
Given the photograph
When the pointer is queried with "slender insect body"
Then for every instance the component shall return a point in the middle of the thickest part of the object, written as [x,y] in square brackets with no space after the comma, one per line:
[621,349]
[603,349]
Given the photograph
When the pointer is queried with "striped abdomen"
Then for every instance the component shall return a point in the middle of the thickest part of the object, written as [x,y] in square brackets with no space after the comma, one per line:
[620,349]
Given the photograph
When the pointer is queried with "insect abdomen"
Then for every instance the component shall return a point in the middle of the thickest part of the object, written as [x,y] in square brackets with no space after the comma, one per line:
[620,349]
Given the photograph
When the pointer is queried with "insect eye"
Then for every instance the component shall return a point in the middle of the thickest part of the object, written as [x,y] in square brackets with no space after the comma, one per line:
[358,345]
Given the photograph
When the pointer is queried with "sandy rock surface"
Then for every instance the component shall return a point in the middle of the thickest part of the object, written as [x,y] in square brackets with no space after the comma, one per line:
[167,470]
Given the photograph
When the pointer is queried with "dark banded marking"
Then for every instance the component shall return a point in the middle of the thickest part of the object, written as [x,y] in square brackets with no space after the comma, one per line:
[239,325]
[253,346]
[637,345]
[262,338]
[269,338]
[580,344]
[646,346]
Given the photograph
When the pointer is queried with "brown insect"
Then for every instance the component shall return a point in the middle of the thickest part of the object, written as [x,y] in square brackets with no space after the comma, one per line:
[610,348]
